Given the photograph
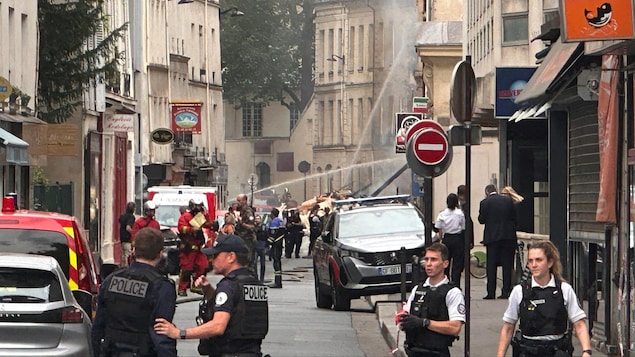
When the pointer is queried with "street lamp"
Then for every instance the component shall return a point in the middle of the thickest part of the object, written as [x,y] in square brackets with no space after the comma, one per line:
[252,182]
[235,11]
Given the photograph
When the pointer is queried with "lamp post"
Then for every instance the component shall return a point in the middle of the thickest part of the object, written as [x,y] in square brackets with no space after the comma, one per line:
[252,182]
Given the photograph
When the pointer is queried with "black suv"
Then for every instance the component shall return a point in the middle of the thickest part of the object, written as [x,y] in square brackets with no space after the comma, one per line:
[358,253]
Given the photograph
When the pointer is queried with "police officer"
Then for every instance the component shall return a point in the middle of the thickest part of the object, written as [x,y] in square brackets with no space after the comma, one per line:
[129,301]
[435,311]
[276,232]
[545,305]
[192,263]
[239,319]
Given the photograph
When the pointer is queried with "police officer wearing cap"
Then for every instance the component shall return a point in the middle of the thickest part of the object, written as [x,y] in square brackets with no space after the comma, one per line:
[435,311]
[239,319]
[129,301]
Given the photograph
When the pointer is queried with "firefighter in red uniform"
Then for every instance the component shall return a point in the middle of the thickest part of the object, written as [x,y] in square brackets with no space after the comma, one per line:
[192,262]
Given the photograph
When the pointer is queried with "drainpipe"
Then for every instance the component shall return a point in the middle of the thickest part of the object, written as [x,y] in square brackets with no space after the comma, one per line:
[371,67]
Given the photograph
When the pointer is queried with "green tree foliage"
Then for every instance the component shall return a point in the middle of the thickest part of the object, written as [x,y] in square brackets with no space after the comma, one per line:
[267,54]
[67,63]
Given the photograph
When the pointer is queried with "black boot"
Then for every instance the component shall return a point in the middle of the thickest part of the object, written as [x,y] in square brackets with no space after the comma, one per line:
[277,283]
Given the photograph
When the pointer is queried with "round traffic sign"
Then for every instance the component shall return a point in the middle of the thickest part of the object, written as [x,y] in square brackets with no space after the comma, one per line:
[430,146]
[422,124]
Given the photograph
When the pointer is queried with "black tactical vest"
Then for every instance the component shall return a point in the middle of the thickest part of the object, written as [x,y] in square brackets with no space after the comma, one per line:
[276,235]
[130,306]
[429,302]
[542,311]
[249,322]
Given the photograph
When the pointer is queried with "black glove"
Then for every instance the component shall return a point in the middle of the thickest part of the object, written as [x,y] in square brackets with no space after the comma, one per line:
[411,322]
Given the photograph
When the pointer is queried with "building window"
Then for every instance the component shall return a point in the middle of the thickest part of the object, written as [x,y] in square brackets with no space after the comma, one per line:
[294,116]
[252,119]
[515,29]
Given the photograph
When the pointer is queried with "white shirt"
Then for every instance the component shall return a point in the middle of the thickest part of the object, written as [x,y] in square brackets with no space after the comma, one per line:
[574,311]
[451,221]
[454,300]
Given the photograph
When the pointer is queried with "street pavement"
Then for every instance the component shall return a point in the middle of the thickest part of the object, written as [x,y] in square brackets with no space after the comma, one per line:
[485,321]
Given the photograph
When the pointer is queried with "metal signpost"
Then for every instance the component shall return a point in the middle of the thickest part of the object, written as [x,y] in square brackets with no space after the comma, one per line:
[462,103]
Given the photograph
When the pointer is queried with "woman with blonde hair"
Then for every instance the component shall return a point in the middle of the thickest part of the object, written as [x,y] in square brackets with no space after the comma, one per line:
[544,305]
[510,192]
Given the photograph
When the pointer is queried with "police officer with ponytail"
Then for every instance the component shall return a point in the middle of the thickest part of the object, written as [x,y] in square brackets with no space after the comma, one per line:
[130,299]
[546,306]
[435,311]
[238,320]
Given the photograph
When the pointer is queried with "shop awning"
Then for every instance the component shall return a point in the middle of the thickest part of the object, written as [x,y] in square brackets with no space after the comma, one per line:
[19,118]
[16,148]
[559,60]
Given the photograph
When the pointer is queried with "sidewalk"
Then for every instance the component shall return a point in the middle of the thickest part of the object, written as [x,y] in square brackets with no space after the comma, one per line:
[485,324]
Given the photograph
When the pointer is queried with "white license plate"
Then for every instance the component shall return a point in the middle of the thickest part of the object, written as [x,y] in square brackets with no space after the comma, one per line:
[393,269]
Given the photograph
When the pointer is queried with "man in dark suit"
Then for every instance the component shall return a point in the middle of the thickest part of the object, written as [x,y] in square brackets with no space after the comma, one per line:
[498,215]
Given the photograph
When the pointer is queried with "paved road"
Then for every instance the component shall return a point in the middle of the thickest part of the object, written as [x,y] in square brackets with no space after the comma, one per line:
[297,327]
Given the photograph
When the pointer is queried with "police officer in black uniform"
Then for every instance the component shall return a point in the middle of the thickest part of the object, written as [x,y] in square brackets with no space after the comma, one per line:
[435,311]
[276,231]
[239,318]
[130,299]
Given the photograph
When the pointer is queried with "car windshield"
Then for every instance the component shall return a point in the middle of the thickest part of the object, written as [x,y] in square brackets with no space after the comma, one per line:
[18,285]
[33,241]
[167,215]
[380,222]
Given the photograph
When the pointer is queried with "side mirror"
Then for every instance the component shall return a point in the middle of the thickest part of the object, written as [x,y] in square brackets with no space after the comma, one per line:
[85,300]
[326,237]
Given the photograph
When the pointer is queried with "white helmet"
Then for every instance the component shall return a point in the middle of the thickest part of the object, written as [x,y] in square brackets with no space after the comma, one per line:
[149,205]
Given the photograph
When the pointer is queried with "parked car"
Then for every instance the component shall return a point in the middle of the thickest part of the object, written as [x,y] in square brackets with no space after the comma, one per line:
[359,251]
[38,314]
[57,235]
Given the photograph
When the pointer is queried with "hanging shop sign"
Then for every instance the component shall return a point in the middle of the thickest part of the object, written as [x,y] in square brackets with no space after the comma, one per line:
[186,117]
[162,136]
[595,20]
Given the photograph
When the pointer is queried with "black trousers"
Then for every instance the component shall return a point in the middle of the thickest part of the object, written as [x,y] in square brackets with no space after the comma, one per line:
[456,248]
[500,253]
[276,253]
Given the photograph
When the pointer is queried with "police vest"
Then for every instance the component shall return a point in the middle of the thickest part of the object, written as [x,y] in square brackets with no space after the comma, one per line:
[248,321]
[542,311]
[276,234]
[429,302]
[127,298]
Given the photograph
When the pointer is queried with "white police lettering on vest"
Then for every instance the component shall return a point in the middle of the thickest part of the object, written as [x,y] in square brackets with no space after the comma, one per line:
[255,293]
[129,287]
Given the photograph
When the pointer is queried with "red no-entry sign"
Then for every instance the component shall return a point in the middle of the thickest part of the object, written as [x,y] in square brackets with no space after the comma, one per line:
[430,146]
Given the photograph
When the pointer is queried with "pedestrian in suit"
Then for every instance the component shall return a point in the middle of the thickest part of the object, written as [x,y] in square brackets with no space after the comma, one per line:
[498,215]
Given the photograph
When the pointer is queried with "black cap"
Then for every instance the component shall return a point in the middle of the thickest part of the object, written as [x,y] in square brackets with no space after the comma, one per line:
[227,243]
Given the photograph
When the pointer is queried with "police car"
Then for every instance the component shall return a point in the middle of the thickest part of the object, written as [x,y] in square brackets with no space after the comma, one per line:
[358,253]
[57,235]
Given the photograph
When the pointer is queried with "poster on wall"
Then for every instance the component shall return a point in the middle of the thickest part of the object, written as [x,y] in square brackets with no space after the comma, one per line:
[595,20]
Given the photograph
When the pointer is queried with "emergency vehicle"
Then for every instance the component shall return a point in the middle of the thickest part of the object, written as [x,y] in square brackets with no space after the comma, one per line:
[170,199]
[59,236]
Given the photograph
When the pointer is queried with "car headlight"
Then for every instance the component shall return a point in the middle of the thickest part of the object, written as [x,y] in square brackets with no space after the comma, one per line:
[349,253]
